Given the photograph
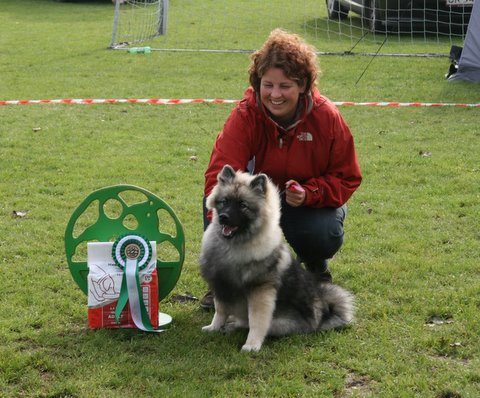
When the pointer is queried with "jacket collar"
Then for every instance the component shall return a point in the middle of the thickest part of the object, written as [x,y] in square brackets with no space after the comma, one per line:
[304,108]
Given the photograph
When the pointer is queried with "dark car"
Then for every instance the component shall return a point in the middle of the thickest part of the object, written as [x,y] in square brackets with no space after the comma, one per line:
[449,16]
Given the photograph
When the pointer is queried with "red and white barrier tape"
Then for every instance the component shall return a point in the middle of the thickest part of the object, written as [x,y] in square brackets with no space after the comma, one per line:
[161,101]
[405,104]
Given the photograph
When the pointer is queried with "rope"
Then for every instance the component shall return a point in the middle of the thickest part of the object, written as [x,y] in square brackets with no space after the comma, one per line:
[160,101]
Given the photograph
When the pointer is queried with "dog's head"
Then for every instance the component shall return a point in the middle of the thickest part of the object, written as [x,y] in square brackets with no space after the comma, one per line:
[242,203]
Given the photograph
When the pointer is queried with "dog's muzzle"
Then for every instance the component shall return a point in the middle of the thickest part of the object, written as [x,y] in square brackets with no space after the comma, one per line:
[228,231]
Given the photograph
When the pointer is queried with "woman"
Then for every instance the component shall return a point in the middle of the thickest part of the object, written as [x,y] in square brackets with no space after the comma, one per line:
[286,129]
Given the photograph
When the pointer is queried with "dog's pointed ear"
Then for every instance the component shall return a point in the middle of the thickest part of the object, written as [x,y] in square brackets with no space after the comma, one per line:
[227,175]
[259,184]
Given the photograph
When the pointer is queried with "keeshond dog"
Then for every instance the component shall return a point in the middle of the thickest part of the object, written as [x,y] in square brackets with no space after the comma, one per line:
[256,282]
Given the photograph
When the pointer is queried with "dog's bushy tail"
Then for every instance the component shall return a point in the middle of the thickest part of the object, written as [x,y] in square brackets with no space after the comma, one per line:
[338,307]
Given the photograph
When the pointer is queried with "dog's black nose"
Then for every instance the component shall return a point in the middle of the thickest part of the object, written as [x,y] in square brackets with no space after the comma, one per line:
[223,218]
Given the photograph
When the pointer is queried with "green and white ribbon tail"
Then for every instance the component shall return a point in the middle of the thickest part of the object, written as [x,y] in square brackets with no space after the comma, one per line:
[132,253]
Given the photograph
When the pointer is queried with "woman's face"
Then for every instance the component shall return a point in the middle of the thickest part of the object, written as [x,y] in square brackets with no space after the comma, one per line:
[279,94]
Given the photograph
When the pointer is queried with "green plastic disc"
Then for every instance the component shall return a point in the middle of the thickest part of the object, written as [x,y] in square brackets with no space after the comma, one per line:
[112,212]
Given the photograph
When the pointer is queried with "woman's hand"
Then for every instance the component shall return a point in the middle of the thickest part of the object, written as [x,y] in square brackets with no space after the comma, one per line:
[294,193]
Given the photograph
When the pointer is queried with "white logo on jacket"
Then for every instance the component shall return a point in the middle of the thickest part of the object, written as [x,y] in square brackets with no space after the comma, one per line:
[305,136]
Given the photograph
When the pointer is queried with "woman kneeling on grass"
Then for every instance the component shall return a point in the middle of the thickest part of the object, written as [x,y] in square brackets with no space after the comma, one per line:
[286,129]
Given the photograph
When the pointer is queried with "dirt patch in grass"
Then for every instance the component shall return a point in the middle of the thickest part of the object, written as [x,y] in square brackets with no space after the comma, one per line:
[356,385]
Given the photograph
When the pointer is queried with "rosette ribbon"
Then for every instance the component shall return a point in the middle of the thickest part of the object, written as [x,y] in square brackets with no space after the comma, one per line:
[133,253]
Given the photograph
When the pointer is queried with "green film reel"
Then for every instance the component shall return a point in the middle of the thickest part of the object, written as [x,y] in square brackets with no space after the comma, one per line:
[111,212]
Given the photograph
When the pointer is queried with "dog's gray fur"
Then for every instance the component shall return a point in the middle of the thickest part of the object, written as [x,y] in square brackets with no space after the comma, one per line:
[256,282]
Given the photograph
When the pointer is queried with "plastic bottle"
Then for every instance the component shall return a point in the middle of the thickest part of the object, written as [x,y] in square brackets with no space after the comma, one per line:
[140,50]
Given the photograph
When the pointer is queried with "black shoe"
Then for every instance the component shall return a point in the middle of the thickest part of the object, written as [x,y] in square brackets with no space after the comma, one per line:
[207,302]
[320,271]
[324,277]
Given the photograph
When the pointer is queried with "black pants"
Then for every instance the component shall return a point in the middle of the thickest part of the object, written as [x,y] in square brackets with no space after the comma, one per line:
[315,235]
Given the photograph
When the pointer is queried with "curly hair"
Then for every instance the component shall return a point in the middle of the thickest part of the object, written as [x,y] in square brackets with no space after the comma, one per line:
[288,52]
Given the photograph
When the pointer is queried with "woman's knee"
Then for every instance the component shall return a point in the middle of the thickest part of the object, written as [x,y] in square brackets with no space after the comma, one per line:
[316,233]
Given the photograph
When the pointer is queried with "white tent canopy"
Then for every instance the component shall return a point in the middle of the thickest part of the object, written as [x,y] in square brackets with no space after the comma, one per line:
[469,63]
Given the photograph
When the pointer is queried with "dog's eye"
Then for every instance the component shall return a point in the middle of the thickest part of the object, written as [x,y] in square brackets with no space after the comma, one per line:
[222,202]
[243,205]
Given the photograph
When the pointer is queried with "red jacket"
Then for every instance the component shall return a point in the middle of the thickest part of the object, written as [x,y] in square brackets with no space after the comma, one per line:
[317,150]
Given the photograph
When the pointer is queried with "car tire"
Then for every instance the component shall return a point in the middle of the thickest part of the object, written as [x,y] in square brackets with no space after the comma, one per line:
[372,18]
[335,10]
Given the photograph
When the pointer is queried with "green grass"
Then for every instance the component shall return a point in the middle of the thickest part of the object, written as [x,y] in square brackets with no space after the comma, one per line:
[411,249]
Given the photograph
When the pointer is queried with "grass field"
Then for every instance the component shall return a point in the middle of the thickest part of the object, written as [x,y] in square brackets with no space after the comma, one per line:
[412,235]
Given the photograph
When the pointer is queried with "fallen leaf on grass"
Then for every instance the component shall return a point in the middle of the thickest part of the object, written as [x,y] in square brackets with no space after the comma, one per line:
[438,320]
[369,209]
[19,214]
[183,298]
[193,158]
[425,154]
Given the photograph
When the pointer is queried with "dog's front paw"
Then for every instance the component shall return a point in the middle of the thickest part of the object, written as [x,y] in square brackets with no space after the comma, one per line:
[210,328]
[251,347]
[233,324]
